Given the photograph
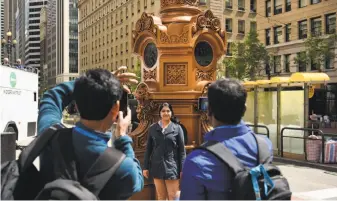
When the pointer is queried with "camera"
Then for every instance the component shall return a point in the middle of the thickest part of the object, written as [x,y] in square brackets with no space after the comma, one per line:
[71,108]
[203,104]
[123,103]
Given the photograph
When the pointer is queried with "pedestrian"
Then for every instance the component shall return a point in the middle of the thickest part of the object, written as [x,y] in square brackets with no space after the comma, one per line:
[210,172]
[165,154]
[96,94]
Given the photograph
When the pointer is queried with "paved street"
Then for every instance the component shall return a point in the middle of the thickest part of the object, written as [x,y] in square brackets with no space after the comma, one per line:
[309,183]
[305,183]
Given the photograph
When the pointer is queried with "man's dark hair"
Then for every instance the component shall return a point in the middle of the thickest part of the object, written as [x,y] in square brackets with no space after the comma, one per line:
[95,93]
[226,101]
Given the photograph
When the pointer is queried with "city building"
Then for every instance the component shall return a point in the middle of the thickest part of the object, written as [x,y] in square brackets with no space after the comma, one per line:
[8,9]
[62,41]
[238,18]
[103,23]
[43,50]
[105,31]
[20,18]
[2,31]
[32,33]
[283,26]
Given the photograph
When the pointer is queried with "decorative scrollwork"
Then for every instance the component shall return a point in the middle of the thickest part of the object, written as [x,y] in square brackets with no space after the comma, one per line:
[146,119]
[201,75]
[208,20]
[205,89]
[150,74]
[170,39]
[142,92]
[175,73]
[165,3]
[145,23]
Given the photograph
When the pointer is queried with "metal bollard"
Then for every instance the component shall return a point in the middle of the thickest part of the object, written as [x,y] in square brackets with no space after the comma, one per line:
[8,146]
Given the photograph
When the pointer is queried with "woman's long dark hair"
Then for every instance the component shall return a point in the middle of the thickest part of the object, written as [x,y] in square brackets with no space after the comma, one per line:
[173,118]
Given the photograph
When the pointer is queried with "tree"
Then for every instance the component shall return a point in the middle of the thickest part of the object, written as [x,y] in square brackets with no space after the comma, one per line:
[138,72]
[247,58]
[317,50]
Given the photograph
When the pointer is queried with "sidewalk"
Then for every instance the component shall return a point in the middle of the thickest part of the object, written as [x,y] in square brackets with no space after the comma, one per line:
[326,167]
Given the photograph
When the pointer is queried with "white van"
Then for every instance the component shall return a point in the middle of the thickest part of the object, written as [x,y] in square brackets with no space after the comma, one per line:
[18,102]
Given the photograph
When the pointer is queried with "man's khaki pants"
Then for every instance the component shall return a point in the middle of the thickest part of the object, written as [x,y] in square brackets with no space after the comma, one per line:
[166,189]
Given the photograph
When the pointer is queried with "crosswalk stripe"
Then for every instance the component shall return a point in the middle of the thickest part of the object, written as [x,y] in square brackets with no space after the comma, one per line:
[322,194]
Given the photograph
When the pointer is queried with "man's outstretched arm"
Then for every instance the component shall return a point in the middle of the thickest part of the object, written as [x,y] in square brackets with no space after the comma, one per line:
[52,105]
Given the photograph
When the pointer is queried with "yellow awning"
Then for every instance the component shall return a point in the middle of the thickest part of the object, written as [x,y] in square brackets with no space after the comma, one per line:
[249,83]
[279,80]
[309,77]
[262,82]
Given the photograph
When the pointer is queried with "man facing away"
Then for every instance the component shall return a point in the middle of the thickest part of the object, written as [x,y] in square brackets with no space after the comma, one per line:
[204,176]
[96,94]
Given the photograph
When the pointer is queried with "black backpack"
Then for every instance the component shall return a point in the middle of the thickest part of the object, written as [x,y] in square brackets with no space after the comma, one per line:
[269,182]
[20,180]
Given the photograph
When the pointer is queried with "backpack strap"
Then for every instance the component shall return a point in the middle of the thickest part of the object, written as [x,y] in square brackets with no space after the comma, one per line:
[103,169]
[34,149]
[264,154]
[224,154]
[63,154]
[62,189]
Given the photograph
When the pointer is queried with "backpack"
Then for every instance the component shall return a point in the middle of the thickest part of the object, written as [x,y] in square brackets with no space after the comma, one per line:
[20,179]
[263,182]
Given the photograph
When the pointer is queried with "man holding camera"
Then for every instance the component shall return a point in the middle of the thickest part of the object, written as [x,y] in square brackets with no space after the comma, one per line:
[97,96]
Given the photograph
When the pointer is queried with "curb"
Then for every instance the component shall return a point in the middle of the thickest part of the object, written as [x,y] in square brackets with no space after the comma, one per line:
[326,167]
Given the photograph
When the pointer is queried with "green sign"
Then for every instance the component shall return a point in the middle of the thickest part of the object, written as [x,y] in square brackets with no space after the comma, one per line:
[12,79]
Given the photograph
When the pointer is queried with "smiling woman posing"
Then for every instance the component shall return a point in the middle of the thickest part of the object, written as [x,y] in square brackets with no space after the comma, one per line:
[165,154]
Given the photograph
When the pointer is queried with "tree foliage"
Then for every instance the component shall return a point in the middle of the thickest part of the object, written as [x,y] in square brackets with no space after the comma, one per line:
[138,72]
[247,58]
[317,50]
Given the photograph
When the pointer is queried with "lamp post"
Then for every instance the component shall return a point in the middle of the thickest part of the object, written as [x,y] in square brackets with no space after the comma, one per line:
[9,44]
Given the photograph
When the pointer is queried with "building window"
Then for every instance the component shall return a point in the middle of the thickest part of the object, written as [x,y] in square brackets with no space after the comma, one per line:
[302,29]
[329,61]
[241,27]
[202,2]
[288,5]
[277,7]
[253,6]
[315,1]
[277,64]
[145,3]
[302,66]
[287,32]
[277,34]
[241,5]
[330,25]
[316,26]
[287,63]
[302,3]
[314,66]
[228,25]
[267,36]
[229,49]
[229,4]
[268,8]
[253,26]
